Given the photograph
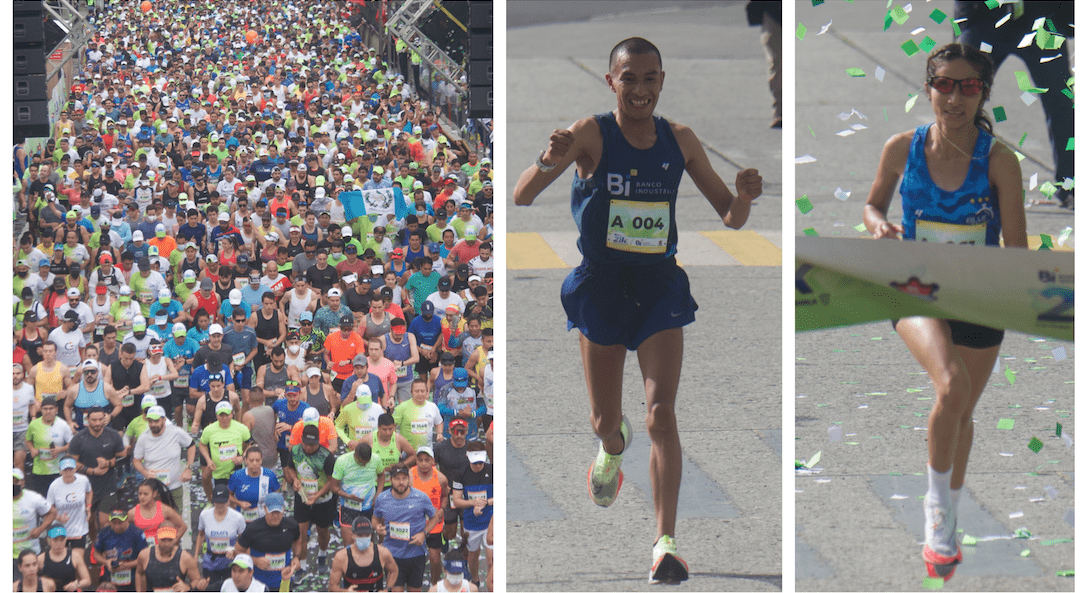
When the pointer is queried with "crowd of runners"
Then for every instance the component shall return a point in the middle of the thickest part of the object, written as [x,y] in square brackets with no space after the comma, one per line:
[253,313]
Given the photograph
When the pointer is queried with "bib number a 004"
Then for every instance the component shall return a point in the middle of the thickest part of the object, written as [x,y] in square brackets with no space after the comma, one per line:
[639,227]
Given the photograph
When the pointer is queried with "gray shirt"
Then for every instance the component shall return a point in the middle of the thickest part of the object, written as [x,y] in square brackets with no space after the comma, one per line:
[162,454]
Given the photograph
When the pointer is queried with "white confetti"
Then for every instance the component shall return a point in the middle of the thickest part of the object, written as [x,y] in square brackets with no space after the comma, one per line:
[917,30]
[860,115]
[858,127]
[1038,22]
[908,8]
[1034,180]
[899,497]
[845,115]
[1067,440]
[996,367]
[864,407]
[880,72]
[1049,58]
[1027,40]
[1006,454]
[1051,492]
[1059,352]
[985,47]
[1015,515]
[825,27]
[823,481]
[841,194]
[1004,20]
[1067,232]
[1038,499]
[1028,98]
[834,433]
[1020,487]
[910,102]
[845,133]
[802,160]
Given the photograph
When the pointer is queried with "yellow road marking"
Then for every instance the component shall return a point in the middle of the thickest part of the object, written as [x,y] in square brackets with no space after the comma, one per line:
[748,247]
[529,251]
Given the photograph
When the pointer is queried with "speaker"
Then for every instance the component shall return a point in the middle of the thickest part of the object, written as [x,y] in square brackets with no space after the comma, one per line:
[28,31]
[480,101]
[480,59]
[29,88]
[29,61]
[481,15]
[481,73]
[28,8]
[31,119]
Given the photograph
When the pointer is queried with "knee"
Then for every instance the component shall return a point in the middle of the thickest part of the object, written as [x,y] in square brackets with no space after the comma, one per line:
[605,425]
[660,421]
[952,386]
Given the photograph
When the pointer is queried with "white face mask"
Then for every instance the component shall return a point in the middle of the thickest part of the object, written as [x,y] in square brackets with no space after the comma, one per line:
[294,348]
[454,579]
[363,542]
[364,403]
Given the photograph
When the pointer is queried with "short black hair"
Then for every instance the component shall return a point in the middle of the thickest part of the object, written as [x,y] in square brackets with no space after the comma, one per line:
[634,46]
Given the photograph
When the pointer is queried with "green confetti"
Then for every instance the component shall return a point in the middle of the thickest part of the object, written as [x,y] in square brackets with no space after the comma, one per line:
[1035,445]
[932,583]
[812,131]
[887,20]
[1022,533]
[816,2]
[899,14]
[885,114]
[811,232]
[800,31]
[992,4]
[1009,374]
[1005,424]
[969,540]
[910,102]
[1047,189]
[855,72]
[928,43]
[1024,553]
[1071,144]
[814,459]
[804,204]
[1025,84]
[1022,139]
[860,228]
[1059,428]
[1053,542]
[938,16]
[1067,93]
[998,113]
[1066,573]
[955,29]
[911,48]
[1047,241]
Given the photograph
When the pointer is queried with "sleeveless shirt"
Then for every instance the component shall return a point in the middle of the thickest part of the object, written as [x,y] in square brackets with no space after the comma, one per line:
[626,211]
[368,578]
[163,575]
[968,215]
[401,351]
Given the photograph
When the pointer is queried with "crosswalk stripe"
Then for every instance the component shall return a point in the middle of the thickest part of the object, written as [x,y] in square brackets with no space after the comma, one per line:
[558,249]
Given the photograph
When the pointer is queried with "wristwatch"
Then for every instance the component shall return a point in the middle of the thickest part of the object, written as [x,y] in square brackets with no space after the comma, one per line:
[540,164]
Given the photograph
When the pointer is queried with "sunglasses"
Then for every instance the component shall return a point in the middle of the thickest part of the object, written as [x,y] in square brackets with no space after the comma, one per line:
[968,86]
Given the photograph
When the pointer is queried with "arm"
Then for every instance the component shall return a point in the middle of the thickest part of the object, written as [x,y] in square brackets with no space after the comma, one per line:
[414,350]
[141,563]
[563,148]
[1007,181]
[339,565]
[892,163]
[388,563]
[174,517]
[732,210]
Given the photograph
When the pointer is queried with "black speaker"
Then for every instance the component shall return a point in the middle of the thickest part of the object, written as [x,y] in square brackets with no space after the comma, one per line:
[29,88]
[28,8]
[29,61]
[28,31]
[480,59]
[31,119]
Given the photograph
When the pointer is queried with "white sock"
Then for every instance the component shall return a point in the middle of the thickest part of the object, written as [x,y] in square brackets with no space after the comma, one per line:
[939,487]
[321,554]
[955,496]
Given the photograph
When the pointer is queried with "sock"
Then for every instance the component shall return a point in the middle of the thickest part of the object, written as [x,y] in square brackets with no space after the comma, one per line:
[955,496]
[939,487]
[321,554]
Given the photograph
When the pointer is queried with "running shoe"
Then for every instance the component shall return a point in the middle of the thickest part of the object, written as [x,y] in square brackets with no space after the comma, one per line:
[941,552]
[668,567]
[605,478]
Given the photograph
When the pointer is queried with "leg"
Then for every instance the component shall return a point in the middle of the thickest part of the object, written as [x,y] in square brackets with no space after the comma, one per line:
[979,364]
[771,42]
[660,357]
[323,536]
[473,566]
[604,378]
[303,527]
[435,564]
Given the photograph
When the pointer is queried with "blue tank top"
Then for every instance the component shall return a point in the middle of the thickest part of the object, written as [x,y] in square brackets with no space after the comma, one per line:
[401,351]
[91,399]
[626,211]
[969,215]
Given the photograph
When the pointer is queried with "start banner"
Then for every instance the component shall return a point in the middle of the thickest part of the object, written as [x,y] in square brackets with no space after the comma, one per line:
[843,282]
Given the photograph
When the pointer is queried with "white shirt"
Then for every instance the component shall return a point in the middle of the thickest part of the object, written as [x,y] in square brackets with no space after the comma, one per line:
[71,499]
[68,345]
[440,304]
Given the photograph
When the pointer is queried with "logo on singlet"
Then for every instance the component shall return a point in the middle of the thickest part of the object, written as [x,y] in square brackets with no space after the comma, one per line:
[617,186]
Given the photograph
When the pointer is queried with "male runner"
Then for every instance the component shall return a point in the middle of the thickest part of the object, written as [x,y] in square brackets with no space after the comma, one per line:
[629,293]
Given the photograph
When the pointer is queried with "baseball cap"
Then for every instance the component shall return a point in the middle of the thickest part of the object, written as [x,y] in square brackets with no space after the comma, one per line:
[206,284]
[310,416]
[58,531]
[148,401]
[360,359]
[362,527]
[235,297]
[425,449]
[461,422]
[400,468]
[274,502]
[215,328]
[477,456]
[454,566]
[242,560]
[72,292]
[67,463]
[157,412]
[460,377]
[221,493]
[223,406]
[311,435]
[334,292]
[71,315]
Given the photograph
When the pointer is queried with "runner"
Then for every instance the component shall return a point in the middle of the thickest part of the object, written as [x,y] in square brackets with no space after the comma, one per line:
[403,516]
[434,484]
[218,527]
[628,293]
[957,150]
[251,485]
[363,565]
[455,569]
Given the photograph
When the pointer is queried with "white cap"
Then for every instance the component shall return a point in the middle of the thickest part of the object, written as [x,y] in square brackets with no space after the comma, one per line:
[215,328]
[235,297]
[224,217]
[334,292]
[73,292]
[137,235]
[314,372]
[346,231]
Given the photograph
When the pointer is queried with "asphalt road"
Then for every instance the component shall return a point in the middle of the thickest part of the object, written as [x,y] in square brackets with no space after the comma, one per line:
[729,527]
[858,518]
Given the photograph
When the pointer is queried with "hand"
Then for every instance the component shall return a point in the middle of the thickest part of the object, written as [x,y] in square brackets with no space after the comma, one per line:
[466,412]
[440,438]
[477,511]
[180,585]
[245,505]
[557,146]
[103,463]
[886,230]
[288,572]
[62,518]
[37,532]
[282,427]
[72,586]
[380,529]
[262,563]
[418,539]
[186,474]
[297,485]
[749,183]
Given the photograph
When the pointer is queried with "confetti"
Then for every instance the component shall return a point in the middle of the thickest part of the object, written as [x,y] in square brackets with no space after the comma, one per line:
[1028,98]
[814,459]
[1048,189]
[1009,374]
[816,2]
[1024,553]
[1015,515]
[841,194]
[834,433]
[998,113]
[1066,573]
[860,127]
[1071,144]
[1003,20]
[1023,79]
[1035,445]
[938,16]
[845,133]
[855,72]
[899,15]
[804,204]
[825,27]
[1047,241]
[927,44]
[1022,139]
[1026,40]
[1033,178]
[969,540]
[985,47]
[811,232]
[1059,354]
[910,48]
[860,228]
[802,160]
[800,31]
[910,102]
[1005,424]
[1051,492]
[880,72]
[1059,429]
[932,583]
[917,30]
[1049,58]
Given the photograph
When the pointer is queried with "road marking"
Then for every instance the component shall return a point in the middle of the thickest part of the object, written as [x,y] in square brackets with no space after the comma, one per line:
[550,250]
[699,496]
[524,501]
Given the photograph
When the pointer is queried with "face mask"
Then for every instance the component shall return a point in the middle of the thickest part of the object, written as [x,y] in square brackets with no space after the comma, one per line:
[454,579]
[18,490]
[294,348]
[364,404]
[151,218]
[23,274]
[360,542]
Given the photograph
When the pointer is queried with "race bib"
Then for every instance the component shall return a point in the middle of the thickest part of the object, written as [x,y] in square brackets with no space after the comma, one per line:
[399,530]
[21,535]
[227,452]
[182,379]
[158,389]
[420,427]
[476,495]
[361,431]
[402,371]
[122,577]
[959,234]
[250,515]
[18,419]
[163,475]
[310,486]
[128,400]
[218,545]
[638,227]
[277,561]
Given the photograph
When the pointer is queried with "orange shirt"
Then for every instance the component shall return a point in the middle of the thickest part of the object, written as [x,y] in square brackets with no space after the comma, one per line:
[325,426]
[433,489]
[342,350]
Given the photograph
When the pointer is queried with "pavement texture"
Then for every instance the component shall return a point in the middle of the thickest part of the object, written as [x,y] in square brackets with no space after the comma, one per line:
[729,407]
[862,401]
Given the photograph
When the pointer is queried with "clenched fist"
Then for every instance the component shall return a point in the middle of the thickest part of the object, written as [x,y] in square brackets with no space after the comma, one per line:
[749,184]
[557,146]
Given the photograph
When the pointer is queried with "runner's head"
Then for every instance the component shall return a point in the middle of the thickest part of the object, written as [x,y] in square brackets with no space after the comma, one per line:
[424,459]
[241,572]
[458,431]
[635,75]
[960,76]
[401,479]
[386,426]
[418,391]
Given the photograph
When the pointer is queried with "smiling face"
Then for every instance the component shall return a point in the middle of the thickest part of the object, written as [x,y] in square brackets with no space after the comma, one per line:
[636,80]
[955,109]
